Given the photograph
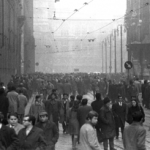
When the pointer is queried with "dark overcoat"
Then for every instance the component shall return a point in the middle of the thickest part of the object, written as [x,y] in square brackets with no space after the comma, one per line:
[50,134]
[133,109]
[120,113]
[53,110]
[8,138]
[4,105]
[107,122]
[33,141]
[82,114]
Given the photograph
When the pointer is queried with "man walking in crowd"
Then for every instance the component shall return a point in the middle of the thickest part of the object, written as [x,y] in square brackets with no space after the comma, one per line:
[4,104]
[135,134]
[52,107]
[50,130]
[8,138]
[22,104]
[120,110]
[64,112]
[37,107]
[13,99]
[82,112]
[132,90]
[96,105]
[107,124]
[31,137]
[88,136]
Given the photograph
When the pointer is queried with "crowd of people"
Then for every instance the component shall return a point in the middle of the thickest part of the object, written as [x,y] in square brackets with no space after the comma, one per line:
[59,99]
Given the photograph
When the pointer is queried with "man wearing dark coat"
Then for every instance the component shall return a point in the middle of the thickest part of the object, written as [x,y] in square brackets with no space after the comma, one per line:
[4,103]
[107,124]
[52,107]
[31,137]
[8,137]
[98,103]
[82,112]
[143,92]
[120,110]
[50,130]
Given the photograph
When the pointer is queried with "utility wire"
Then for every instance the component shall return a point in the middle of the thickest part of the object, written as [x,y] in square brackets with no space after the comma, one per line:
[146,4]
[75,11]
[58,19]
[120,18]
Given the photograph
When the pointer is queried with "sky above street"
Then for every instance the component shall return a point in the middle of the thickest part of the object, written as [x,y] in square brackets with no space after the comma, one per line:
[96,9]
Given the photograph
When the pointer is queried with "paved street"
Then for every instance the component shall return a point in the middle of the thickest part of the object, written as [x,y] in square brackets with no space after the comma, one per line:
[64,142]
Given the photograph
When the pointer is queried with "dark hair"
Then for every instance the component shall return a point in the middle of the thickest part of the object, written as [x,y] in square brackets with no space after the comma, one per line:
[2,91]
[137,116]
[37,97]
[145,81]
[12,88]
[1,83]
[31,118]
[106,100]
[84,101]
[54,90]
[20,91]
[72,97]
[75,106]
[65,94]
[79,97]
[98,96]
[50,96]
[91,114]
[131,82]
[12,114]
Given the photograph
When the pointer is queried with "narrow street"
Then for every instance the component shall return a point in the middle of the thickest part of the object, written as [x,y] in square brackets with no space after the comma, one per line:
[64,142]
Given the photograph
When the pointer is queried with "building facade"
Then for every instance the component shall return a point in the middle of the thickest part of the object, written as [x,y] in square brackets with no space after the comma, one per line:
[12,20]
[11,23]
[138,36]
[28,51]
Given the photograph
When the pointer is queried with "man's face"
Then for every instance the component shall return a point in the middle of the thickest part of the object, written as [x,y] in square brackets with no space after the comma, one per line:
[120,99]
[109,105]
[53,96]
[26,122]
[43,118]
[65,97]
[13,120]
[94,120]
[38,101]
[133,103]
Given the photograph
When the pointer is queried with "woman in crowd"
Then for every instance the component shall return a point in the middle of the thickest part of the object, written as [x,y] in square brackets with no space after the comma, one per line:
[135,107]
[74,124]
[13,122]
[37,107]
